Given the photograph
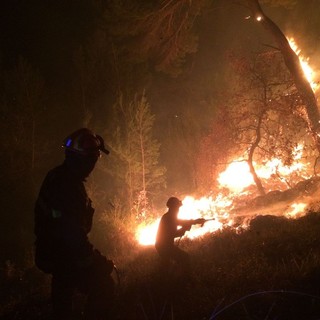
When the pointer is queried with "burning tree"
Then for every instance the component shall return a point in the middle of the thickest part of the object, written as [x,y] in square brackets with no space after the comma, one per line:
[173,23]
[292,62]
[271,148]
[266,117]
[267,123]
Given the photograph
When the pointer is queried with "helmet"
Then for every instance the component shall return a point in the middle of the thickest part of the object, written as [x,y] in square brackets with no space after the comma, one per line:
[174,202]
[84,142]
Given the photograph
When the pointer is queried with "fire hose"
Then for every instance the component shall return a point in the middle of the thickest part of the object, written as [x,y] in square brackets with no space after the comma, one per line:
[200,221]
[117,274]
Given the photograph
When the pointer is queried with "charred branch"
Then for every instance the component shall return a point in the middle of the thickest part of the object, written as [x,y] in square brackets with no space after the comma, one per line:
[293,64]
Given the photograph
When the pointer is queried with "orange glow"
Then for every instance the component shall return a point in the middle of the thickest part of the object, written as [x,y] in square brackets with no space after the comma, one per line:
[308,71]
[146,234]
[296,210]
[191,209]
[236,178]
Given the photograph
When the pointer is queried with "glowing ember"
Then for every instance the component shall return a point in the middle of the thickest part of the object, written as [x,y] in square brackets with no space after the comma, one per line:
[237,176]
[191,209]
[296,210]
[309,73]
[146,234]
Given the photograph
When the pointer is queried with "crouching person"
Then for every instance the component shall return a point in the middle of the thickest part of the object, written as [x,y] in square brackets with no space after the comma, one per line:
[63,219]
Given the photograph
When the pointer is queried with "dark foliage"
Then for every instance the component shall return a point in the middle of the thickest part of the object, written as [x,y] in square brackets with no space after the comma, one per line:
[270,271]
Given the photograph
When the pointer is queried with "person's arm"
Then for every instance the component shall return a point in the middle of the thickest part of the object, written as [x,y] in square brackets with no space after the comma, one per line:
[180,232]
[184,225]
[70,202]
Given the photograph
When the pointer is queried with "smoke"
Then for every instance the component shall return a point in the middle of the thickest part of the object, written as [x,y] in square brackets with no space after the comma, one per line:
[291,203]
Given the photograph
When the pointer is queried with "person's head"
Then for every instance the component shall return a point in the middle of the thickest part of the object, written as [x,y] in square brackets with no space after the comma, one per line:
[174,204]
[82,150]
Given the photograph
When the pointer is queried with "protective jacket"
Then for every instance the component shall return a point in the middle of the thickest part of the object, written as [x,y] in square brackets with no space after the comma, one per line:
[168,231]
[63,219]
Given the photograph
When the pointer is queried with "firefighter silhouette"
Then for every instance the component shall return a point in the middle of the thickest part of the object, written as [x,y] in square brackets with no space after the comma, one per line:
[170,227]
[63,219]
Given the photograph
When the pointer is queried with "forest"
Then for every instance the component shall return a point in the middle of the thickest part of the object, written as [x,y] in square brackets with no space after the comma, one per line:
[211,101]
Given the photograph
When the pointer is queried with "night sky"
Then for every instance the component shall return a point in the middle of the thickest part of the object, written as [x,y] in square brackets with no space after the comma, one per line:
[44,32]
[48,32]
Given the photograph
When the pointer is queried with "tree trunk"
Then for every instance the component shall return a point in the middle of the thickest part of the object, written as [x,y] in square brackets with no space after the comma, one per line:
[293,64]
[143,157]
[252,148]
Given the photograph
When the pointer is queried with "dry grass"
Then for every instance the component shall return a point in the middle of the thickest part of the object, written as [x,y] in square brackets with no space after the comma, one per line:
[271,271]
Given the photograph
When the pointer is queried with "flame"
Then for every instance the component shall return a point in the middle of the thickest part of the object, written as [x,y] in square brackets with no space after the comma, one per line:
[146,234]
[304,62]
[296,210]
[236,178]
[192,209]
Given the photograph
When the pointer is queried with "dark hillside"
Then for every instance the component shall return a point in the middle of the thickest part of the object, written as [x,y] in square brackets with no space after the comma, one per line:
[271,271]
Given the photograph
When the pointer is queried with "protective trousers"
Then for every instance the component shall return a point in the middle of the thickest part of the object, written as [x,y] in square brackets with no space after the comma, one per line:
[96,284]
